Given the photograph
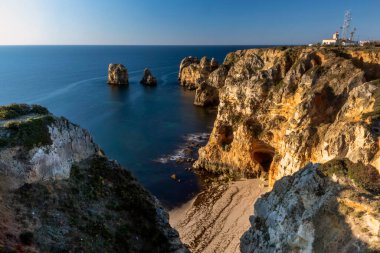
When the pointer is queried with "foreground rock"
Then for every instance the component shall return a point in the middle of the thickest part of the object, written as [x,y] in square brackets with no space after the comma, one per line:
[283,107]
[148,78]
[59,193]
[334,207]
[117,74]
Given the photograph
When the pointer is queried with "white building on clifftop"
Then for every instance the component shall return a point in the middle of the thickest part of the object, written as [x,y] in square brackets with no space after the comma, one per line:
[333,41]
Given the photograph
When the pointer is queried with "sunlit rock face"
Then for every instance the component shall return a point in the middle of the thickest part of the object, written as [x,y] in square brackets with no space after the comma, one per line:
[193,70]
[280,108]
[117,74]
[332,207]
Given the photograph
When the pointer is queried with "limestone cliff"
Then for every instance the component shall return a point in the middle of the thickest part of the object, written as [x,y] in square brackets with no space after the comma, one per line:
[281,108]
[334,207]
[59,193]
[195,74]
[193,70]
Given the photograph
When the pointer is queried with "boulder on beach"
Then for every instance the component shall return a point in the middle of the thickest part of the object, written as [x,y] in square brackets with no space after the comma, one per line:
[148,78]
[117,74]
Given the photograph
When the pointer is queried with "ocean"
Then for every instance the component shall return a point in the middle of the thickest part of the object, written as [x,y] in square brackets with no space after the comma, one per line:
[143,128]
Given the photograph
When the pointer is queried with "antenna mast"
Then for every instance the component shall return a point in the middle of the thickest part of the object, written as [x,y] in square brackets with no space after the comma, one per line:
[346,25]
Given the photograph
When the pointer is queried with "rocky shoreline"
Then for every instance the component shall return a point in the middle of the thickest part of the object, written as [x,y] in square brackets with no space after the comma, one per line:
[304,121]
[278,110]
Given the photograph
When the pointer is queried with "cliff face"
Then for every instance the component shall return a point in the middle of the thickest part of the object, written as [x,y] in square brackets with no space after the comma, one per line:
[194,74]
[332,207]
[282,108]
[59,193]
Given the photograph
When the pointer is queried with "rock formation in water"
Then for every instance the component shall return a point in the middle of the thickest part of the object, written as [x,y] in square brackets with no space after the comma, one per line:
[334,207]
[282,108]
[148,78]
[59,193]
[196,74]
[117,74]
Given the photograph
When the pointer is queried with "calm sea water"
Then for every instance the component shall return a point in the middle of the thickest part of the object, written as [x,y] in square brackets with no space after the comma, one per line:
[134,125]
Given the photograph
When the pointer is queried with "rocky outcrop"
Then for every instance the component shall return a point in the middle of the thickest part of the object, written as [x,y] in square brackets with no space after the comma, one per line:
[117,74]
[283,107]
[334,207]
[192,70]
[59,193]
[148,78]
[206,95]
[205,76]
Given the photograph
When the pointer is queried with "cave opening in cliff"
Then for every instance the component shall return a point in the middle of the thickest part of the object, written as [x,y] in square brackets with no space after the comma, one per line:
[225,135]
[264,159]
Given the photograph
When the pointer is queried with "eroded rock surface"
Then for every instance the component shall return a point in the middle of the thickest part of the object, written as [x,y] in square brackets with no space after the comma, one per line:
[148,78]
[59,193]
[193,70]
[117,74]
[280,108]
[334,207]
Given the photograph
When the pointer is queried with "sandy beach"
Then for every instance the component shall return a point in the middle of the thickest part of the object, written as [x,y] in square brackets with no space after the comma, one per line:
[216,218]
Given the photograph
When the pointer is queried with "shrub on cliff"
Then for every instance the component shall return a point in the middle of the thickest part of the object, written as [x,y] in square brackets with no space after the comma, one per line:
[30,133]
[365,177]
[100,208]
[17,110]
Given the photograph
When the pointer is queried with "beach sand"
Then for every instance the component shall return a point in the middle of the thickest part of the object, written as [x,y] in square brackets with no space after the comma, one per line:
[217,217]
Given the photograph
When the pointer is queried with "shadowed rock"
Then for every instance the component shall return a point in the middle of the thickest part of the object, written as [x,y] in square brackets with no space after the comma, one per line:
[59,193]
[148,78]
[206,95]
[334,207]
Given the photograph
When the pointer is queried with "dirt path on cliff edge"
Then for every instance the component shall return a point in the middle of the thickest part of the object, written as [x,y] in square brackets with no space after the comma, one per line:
[215,219]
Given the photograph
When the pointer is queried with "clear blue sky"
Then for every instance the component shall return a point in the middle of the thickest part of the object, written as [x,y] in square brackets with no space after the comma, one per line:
[180,22]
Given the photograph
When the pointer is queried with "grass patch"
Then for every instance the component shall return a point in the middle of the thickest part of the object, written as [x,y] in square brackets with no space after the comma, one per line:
[17,110]
[365,177]
[30,133]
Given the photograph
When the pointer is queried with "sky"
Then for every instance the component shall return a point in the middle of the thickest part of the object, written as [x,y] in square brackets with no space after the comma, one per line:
[181,22]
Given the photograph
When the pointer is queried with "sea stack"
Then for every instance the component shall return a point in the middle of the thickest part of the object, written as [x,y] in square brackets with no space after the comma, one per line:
[117,74]
[148,78]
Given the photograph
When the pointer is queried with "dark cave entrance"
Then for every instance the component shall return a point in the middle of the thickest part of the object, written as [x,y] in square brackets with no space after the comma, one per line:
[264,159]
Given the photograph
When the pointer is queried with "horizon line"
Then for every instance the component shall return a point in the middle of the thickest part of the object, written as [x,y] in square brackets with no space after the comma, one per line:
[7,45]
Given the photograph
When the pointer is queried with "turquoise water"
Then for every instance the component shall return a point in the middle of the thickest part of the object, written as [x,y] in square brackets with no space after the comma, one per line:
[135,125]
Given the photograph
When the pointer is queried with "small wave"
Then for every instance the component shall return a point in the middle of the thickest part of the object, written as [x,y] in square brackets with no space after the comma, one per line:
[165,78]
[186,150]
[65,89]
[198,137]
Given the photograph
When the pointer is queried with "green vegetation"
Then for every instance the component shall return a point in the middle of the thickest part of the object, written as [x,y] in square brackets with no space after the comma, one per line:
[365,177]
[101,203]
[17,110]
[29,133]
